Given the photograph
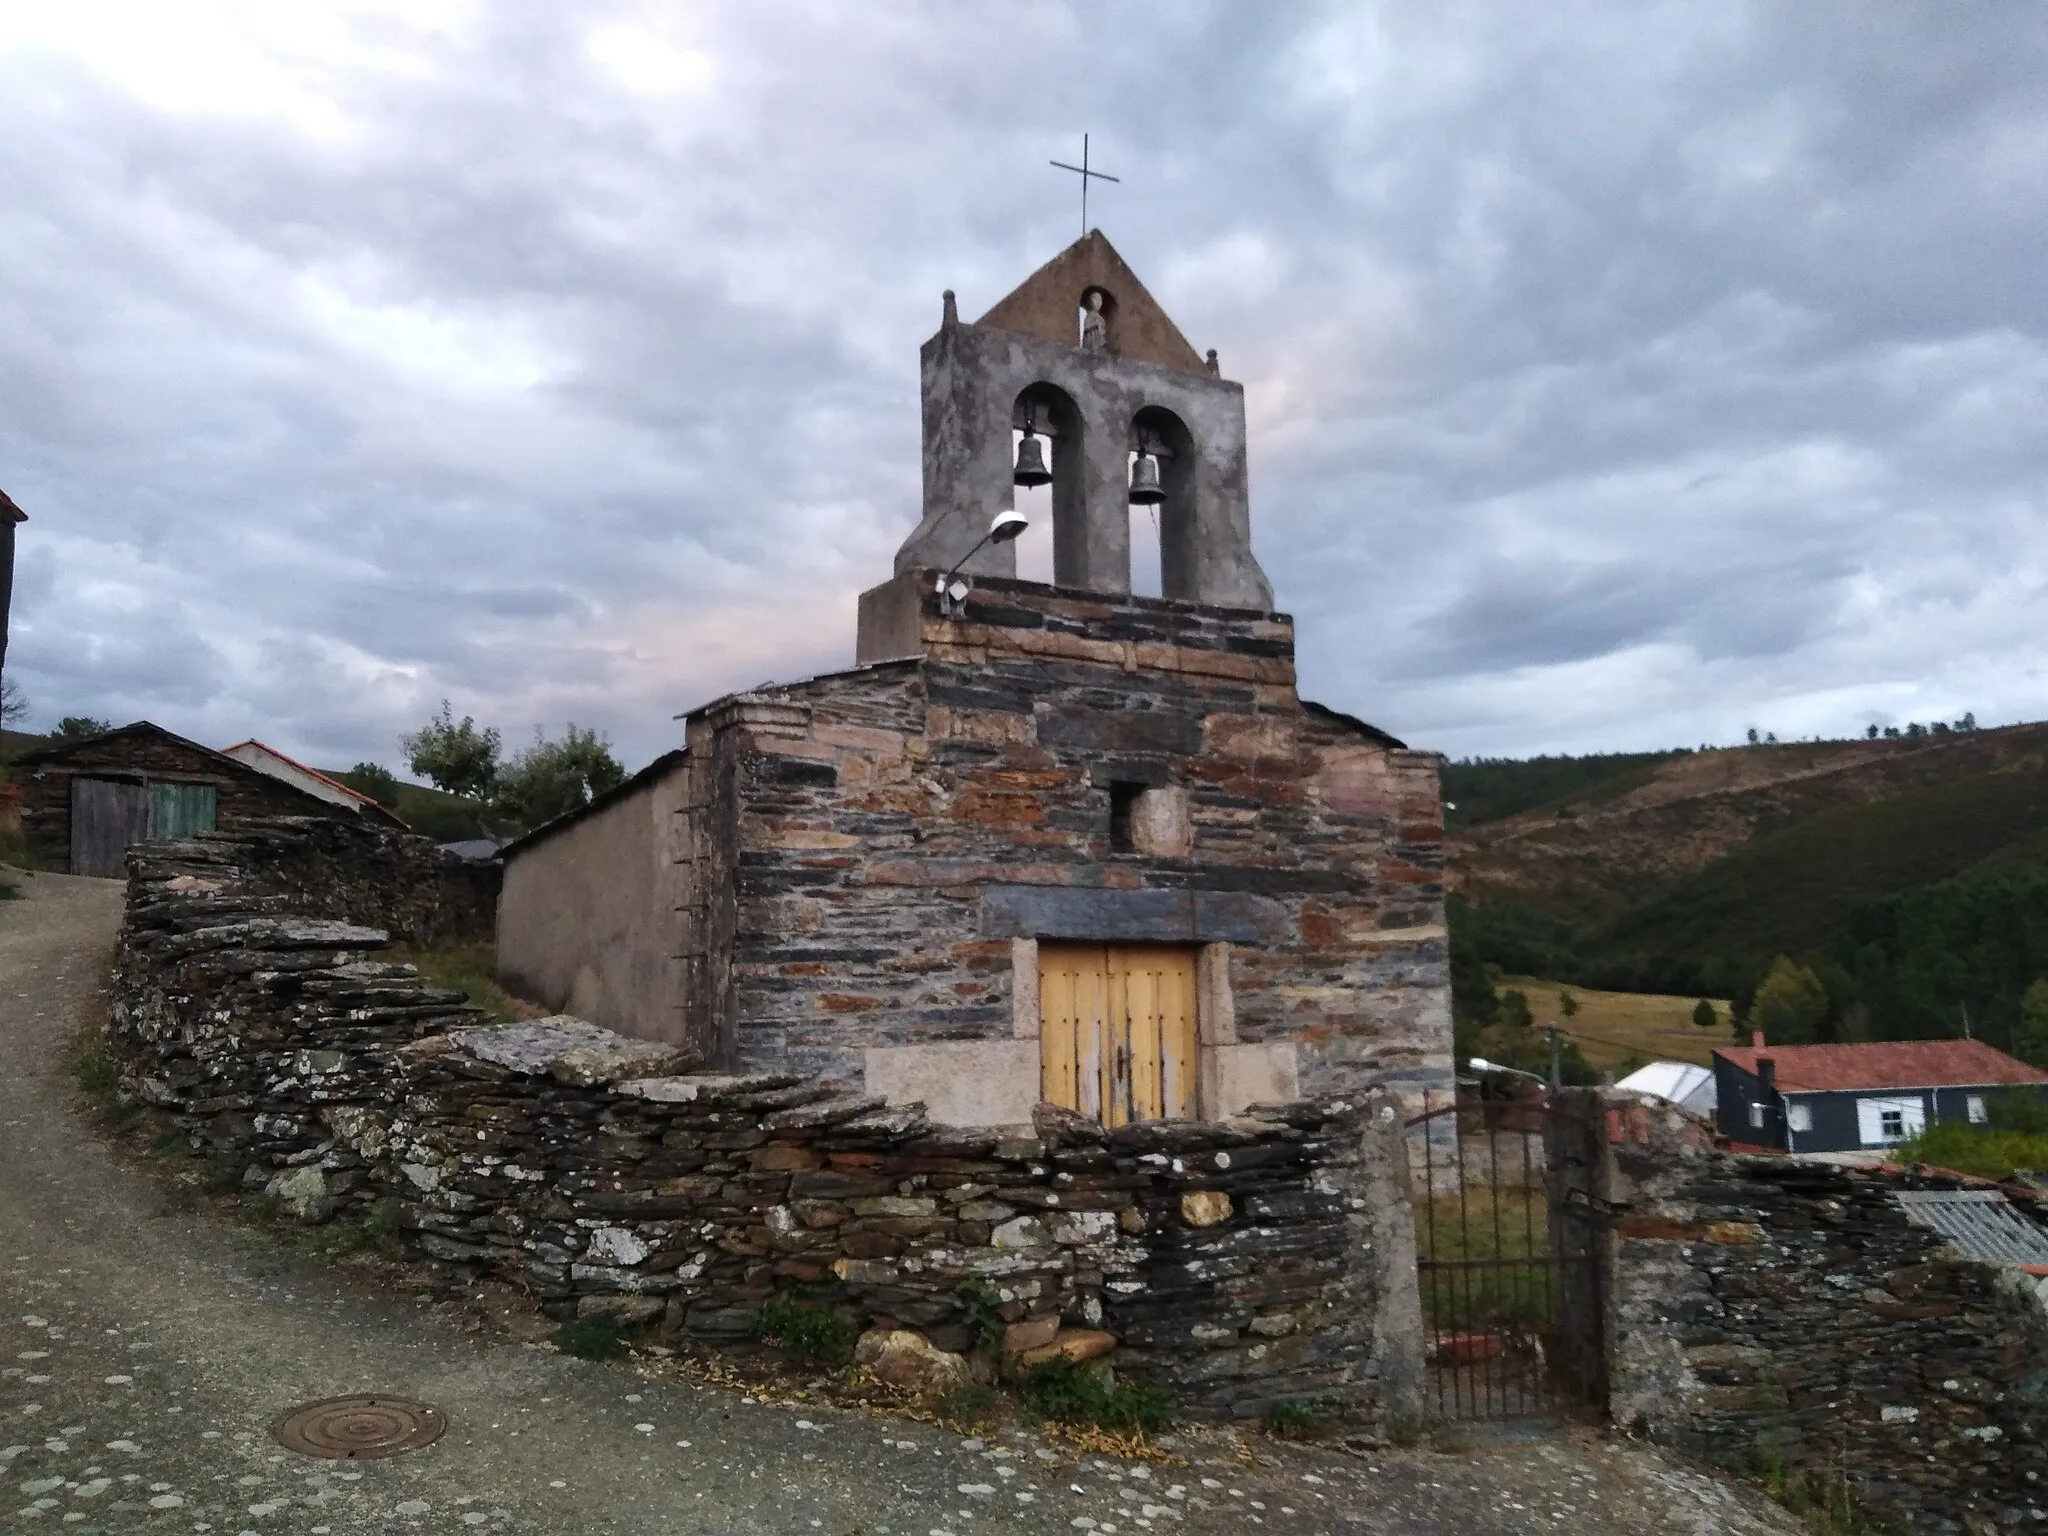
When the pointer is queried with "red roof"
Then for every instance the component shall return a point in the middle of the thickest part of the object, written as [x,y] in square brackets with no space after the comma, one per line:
[1886,1064]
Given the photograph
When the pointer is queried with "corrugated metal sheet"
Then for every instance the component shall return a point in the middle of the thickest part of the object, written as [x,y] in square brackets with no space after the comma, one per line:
[1981,1223]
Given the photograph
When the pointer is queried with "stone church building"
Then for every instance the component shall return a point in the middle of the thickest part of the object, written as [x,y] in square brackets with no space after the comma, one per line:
[1040,842]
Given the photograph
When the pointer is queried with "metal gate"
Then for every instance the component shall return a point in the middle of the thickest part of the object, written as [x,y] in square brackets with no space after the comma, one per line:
[1509,1250]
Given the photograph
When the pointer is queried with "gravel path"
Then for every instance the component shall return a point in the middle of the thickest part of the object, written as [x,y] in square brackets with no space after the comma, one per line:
[145,1354]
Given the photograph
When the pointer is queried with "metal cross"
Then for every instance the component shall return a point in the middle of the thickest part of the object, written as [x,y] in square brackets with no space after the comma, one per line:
[1084,173]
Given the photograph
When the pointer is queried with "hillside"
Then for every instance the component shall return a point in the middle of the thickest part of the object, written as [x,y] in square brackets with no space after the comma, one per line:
[1907,874]
[1625,837]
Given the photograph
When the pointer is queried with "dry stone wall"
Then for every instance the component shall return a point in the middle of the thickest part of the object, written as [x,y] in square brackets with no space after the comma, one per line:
[1242,1263]
[1775,1312]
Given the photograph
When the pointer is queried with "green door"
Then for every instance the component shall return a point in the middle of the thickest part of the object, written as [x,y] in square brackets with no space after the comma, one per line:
[179,810]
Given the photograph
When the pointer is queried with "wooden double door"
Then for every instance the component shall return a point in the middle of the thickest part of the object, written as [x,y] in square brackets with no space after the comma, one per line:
[107,815]
[1117,1035]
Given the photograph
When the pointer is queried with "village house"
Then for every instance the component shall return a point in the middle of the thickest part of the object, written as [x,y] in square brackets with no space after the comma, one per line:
[1041,842]
[86,802]
[1847,1098]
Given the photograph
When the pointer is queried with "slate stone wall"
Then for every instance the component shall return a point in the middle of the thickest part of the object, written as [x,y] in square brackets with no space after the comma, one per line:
[346,870]
[869,844]
[1772,1312]
[1242,1263]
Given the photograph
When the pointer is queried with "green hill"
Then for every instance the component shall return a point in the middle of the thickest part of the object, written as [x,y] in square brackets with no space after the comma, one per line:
[1906,873]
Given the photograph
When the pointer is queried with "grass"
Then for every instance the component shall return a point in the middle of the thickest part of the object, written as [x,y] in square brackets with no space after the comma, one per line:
[1289,1420]
[592,1338]
[1078,1393]
[1480,1224]
[1620,1031]
[469,969]
[806,1330]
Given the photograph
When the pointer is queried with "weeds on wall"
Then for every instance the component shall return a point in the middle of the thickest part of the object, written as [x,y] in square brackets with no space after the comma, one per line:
[1289,1420]
[805,1330]
[592,1338]
[1074,1392]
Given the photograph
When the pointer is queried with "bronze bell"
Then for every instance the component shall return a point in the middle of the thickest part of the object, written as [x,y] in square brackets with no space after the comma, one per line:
[1145,488]
[1031,468]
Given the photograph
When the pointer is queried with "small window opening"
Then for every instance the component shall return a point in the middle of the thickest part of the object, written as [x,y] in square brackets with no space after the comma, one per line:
[1974,1107]
[1756,1117]
[1123,802]
[1891,1125]
[1799,1117]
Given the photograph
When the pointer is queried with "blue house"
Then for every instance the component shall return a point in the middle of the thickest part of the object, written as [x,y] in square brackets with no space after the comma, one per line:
[1848,1098]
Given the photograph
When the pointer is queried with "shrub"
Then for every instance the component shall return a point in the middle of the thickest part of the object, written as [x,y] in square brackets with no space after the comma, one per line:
[981,1312]
[1072,1392]
[808,1330]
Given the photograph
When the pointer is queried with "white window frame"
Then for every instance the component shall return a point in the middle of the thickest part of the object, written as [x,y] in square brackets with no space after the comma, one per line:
[1870,1115]
[1756,1117]
[1975,1109]
[1798,1116]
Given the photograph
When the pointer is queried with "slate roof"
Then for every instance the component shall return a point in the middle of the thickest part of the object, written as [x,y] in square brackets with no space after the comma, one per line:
[1886,1064]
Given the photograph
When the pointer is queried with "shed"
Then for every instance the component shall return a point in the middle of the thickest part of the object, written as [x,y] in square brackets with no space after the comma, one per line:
[1843,1098]
[85,801]
[1683,1083]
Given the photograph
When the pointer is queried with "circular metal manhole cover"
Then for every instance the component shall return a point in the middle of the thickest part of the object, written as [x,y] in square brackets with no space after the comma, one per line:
[361,1428]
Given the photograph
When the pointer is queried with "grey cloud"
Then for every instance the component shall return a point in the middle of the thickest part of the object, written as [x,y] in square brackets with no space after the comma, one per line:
[1620,372]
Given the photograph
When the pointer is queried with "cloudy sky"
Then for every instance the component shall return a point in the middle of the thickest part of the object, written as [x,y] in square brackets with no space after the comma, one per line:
[1619,376]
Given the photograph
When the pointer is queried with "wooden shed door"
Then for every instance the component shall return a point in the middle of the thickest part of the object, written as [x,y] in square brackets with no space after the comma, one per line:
[179,810]
[1117,1030]
[106,816]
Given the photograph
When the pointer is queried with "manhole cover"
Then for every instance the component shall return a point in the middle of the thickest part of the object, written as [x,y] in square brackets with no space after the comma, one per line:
[361,1428]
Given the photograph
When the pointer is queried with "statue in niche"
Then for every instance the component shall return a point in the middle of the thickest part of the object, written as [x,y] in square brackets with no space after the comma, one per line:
[1094,325]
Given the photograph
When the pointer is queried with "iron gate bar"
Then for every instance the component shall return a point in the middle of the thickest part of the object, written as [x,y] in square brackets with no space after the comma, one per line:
[1502,1344]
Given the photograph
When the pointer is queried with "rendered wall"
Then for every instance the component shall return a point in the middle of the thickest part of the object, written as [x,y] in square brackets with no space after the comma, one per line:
[587,919]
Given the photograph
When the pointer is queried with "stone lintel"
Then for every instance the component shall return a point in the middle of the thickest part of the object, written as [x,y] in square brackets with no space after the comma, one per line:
[1132,917]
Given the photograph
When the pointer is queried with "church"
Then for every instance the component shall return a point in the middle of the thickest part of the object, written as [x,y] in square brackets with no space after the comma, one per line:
[1040,842]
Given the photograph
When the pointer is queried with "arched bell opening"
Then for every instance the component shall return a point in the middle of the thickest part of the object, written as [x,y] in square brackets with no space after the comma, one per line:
[1046,477]
[1162,497]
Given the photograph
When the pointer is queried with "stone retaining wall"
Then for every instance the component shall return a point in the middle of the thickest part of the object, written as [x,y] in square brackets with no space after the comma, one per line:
[1246,1262]
[1774,1312]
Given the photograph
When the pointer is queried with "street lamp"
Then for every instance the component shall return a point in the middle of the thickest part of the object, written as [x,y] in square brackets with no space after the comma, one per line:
[1006,525]
[1481,1064]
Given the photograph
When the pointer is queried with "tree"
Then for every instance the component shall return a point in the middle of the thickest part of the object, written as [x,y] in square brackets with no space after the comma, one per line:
[1870,731]
[78,727]
[1754,736]
[1514,1010]
[1567,1004]
[553,778]
[374,781]
[2032,1040]
[459,759]
[1703,1014]
[1790,1005]
[13,702]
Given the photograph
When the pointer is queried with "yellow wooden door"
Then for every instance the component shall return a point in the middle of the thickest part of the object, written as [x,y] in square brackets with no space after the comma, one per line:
[1117,1030]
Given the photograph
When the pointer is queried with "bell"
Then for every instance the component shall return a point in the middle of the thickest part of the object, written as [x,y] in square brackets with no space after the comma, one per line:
[1145,488]
[1031,468]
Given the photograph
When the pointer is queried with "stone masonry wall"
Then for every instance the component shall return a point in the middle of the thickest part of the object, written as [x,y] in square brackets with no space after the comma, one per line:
[1767,1310]
[897,829]
[1241,1263]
